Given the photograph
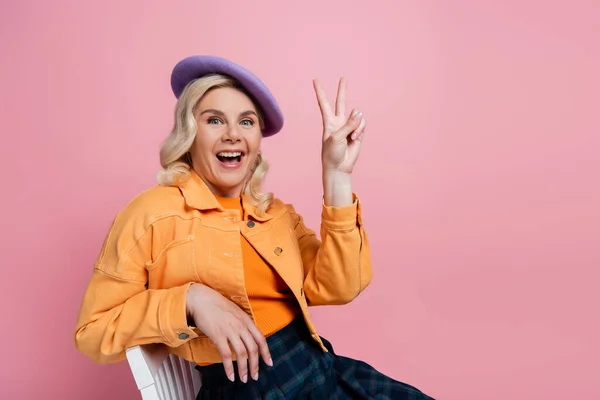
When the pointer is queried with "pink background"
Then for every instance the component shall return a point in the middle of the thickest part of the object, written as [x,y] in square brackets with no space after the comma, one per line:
[479,175]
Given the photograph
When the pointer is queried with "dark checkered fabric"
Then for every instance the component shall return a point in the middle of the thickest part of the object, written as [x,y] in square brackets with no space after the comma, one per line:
[302,370]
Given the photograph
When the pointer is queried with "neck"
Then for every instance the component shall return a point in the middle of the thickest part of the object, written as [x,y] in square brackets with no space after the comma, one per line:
[223,192]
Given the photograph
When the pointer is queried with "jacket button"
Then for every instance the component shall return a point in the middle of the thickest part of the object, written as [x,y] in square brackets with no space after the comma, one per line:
[250,224]
[183,336]
[278,250]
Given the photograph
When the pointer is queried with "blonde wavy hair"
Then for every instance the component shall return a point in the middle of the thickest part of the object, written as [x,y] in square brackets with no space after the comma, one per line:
[175,155]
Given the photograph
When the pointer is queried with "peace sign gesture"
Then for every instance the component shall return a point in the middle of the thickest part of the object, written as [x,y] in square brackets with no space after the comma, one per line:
[342,136]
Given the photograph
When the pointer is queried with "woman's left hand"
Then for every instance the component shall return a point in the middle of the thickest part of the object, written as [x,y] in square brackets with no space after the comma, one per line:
[342,136]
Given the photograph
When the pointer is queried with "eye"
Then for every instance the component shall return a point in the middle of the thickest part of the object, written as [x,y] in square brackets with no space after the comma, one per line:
[214,121]
[247,122]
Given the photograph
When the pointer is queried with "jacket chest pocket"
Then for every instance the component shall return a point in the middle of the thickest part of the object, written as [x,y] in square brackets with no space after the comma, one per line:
[283,252]
[174,265]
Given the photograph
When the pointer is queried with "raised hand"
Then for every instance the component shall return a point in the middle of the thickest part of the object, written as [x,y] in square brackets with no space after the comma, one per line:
[229,328]
[342,135]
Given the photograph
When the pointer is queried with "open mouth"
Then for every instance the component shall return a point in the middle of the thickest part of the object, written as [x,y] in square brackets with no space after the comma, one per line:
[230,157]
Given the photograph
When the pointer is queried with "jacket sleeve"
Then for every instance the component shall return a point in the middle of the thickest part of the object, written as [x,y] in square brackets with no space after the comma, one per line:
[337,268]
[118,311]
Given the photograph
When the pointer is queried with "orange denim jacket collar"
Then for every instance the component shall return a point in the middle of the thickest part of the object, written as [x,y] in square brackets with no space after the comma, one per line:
[197,195]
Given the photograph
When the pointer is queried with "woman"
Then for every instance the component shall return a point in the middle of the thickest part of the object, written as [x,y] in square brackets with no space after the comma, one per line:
[222,273]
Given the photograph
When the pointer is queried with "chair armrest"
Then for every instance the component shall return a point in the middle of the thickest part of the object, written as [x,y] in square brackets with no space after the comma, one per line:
[144,362]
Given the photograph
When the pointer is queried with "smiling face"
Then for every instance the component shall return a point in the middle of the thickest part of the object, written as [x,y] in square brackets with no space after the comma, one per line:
[227,140]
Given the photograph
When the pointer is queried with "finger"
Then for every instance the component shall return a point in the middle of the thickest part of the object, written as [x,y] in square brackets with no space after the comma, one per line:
[241,356]
[252,349]
[350,125]
[353,150]
[226,357]
[260,340]
[358,132]
[340,101]
[322,99]
[361,136]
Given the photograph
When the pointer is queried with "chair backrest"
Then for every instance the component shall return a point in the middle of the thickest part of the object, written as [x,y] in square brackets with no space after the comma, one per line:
[160,375]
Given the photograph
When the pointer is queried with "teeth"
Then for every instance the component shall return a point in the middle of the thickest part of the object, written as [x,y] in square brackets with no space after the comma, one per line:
[229,154]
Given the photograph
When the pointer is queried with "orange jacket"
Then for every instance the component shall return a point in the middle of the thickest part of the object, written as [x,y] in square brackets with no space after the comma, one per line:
[169,237]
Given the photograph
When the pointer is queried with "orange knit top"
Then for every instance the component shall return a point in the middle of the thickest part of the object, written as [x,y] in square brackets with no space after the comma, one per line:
[272,302]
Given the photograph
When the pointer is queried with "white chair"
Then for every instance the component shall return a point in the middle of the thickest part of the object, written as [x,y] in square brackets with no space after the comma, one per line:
[160,375]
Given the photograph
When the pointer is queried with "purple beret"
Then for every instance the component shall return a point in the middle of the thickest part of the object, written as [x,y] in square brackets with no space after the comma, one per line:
[194,67]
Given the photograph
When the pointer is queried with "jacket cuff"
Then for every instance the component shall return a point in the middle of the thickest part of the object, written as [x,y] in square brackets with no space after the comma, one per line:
[172,318]
[341,218]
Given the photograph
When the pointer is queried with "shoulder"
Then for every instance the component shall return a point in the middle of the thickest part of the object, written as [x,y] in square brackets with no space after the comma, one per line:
[282,209]
[278,207]
[150,205]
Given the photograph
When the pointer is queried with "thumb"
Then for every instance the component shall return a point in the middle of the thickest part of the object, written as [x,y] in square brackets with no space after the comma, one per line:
[350,125]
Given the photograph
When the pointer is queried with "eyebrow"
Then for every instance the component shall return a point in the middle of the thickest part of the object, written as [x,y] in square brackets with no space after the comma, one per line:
[222,114]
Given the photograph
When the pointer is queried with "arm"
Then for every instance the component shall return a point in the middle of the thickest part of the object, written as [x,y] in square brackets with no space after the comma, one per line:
[118,311]
[337,268]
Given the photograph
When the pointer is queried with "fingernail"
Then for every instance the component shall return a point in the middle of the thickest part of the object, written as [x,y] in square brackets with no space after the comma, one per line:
[255,376]
[270,363]
[245,378]
[231,377]
[354,136]
[357,115]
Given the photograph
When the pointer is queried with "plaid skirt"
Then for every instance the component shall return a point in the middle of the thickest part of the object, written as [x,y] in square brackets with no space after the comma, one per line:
[301,370]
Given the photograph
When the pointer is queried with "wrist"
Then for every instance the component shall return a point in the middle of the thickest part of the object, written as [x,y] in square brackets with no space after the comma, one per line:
[334,173]
[337,188]
[189,300]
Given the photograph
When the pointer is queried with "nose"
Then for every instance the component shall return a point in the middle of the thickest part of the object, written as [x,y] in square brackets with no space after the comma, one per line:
[232,135]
